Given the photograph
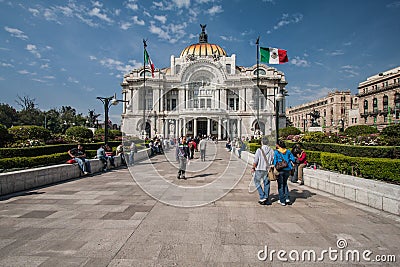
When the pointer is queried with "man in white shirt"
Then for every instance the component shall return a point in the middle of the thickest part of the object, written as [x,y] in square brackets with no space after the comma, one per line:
[262,162]
[202,147]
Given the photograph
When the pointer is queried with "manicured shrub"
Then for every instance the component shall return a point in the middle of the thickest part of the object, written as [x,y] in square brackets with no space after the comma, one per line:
[79,133]
[285,132]
[29,132]
[358,130]
[383,169]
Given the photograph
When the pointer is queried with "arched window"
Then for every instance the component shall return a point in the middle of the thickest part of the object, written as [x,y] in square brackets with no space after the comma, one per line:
[148,73]
[260,72]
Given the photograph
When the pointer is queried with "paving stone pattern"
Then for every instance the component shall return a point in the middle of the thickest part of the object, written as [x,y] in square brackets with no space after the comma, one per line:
[108,220]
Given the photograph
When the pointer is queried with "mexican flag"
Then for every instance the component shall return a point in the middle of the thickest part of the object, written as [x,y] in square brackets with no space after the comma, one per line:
[147,60]
[273,55]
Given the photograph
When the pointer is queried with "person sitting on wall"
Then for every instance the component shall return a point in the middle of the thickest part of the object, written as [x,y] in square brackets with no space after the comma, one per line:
[78,154]
[110,154]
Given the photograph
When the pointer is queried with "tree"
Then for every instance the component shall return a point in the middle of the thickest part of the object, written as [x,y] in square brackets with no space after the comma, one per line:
[8,115]
[29,113]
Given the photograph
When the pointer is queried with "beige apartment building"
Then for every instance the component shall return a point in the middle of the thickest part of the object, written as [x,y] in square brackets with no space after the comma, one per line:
[333,110]
[379,99]
[376,104]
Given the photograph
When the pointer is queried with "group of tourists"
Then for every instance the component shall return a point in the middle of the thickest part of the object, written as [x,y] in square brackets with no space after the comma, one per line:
[104,153]
[280,162]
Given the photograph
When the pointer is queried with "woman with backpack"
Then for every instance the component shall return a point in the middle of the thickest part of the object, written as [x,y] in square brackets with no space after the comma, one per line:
[283,161]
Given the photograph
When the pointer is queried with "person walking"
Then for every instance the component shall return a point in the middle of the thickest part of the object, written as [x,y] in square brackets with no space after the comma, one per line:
[283,155]
[79,155]
[202,147]
[182,156]
[133,151]
[263,160]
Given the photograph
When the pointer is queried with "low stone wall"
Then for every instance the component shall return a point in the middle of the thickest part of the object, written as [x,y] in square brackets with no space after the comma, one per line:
[12,182]
[375,194]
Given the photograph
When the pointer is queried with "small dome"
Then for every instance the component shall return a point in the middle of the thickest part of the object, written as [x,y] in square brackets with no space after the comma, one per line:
[203,49]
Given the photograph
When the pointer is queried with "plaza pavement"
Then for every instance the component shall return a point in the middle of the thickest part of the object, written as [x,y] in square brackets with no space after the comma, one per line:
[108,220]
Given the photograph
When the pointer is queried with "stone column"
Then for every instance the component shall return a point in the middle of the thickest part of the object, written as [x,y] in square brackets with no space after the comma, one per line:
[184,126]
[219,128]
[228,128]
[223,99]
[240,128]
[194,126]
[208,126]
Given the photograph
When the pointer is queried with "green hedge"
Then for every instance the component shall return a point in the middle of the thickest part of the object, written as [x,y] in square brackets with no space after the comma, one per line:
[375,168]
[47,150]
[44,160]
[392,152]
[253,147]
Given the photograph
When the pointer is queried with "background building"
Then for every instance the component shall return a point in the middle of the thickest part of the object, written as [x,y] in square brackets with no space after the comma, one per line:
[202,92]
[379,98]
[333,110]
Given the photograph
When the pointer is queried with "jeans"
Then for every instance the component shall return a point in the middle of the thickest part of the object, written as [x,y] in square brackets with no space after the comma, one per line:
[258,175]
[131,158]
[182,163]
[283,188]
[203,154]
[84,164]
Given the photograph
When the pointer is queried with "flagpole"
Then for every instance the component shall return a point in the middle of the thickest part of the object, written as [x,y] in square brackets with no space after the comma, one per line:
[258,85]
[144,90]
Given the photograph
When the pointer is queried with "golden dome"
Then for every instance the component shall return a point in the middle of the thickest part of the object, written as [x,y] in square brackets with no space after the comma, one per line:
[203,49]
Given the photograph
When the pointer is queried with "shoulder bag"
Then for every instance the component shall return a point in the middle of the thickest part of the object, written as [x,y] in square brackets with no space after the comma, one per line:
[281,164]
[272,173]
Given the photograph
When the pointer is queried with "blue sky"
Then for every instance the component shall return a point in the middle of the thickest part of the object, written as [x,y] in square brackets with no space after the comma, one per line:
[70,52]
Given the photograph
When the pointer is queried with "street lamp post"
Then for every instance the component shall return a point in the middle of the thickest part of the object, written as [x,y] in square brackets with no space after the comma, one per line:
[279,97]
[155,123]
[108,101]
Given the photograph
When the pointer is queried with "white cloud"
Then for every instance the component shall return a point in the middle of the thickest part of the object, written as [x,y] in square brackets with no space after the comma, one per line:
[350,70]
[117,65]
[297,61]
[171,32]
[33,49]
[163,34]
[162,19]
[288,19]
[395,4]
[45,66]
[132,6]
[97,4]
[228,38]
[49,77]
[182,3]
[125,25]
[92,58]
[23,72]
[72,80]
[6,65]
[34,11]
[16,33]
[214,10]
[137,21]
[96,12]
[335,53]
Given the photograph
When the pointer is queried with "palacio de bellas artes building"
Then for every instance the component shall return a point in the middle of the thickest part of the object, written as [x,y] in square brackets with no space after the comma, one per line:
[203,93]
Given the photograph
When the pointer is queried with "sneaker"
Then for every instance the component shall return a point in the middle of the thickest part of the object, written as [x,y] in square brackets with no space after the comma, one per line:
[85,173]
[266,202]
[282,204]
[288,202]
[302,183]
[261,201]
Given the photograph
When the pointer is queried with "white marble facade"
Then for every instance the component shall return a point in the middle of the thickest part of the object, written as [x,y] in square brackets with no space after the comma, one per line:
[202,92]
